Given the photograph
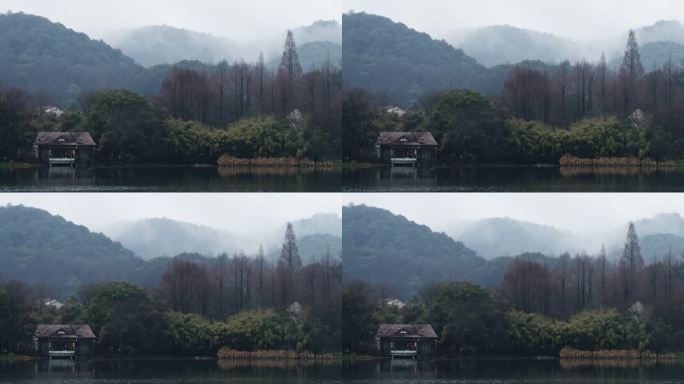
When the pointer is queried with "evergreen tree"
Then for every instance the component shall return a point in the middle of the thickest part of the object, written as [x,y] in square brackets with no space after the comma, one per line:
[289,265]
[631,71]
[289,63]
[630,263]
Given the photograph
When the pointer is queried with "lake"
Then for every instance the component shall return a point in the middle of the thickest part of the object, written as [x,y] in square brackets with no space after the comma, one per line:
[165,371]
[385,372]
[512,179]
[509,372]
[169,179]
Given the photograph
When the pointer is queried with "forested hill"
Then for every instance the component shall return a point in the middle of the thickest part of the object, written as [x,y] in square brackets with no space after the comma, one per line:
[39,248]
[379,54]
[380,247]
[38,55]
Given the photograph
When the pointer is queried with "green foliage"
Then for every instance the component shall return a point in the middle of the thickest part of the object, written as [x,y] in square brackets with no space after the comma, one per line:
[532,334]
[359,323]
[16,308]
[468,125]
[192,334]
[125,126]
[254,330]
[264,137]
[125,319]
[467,318]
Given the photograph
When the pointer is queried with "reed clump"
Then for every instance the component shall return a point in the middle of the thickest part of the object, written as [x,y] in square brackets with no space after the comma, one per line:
[613,354]
[227,160]
[572,161]
[279,354]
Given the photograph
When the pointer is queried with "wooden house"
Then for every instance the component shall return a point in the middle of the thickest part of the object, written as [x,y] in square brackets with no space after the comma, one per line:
[64,341]
[406,340]
[406,148]
[64,148]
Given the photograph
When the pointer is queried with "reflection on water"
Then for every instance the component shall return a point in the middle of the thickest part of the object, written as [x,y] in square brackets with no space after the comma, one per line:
[171,179]
[165,371]
[513,179]
[501,371]
[510,371]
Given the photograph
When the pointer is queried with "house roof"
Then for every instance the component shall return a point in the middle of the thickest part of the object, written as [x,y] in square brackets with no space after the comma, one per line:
[406,138]
[64,138]
[406,330]
[81,331]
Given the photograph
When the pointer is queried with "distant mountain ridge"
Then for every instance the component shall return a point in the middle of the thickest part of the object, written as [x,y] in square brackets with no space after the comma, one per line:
[163,44]
[402,64]
[60,64]
[505,44]
[160,237]
[39,248]
[382,55]
[38,55]
[381,247]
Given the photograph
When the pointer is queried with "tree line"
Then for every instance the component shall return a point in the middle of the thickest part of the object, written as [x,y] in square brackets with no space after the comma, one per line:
[543,112]
[585,302]
[192,119]
[241,302]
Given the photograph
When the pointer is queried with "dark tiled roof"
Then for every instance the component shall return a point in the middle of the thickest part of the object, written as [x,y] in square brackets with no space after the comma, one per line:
[409,138]
[64,138]
[82,331]
[406,330]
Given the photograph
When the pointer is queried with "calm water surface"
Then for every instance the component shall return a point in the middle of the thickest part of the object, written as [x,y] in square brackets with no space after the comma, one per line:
[512,179]
[169,179]
[510,372]
[385,372]
[160,371]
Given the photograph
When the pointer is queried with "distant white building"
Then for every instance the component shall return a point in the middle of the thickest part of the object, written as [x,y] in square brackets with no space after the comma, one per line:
[51,110]
[394,110]
[395,303]
[53,303]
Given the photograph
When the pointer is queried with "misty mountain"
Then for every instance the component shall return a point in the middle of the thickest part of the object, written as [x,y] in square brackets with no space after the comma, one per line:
[159,237]
[320,223]
[662,223]
[162,44]
[380,247]
[382,55]
[38,55]
[59,64]
[39,248]
[321,30]
[655,247]
[495,237]
[505,44]
[663,30]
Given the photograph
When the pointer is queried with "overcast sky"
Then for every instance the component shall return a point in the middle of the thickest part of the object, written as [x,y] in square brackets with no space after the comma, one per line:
[578,19]
[579,212]
[240,213]
[239,20]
